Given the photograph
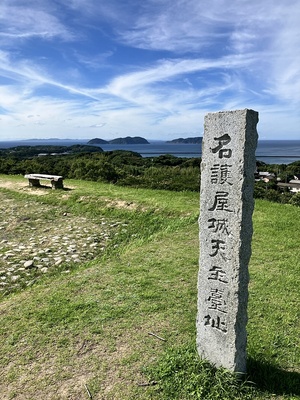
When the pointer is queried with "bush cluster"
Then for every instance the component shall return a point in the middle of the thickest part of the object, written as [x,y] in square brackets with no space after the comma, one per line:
[119,167]
[127,168]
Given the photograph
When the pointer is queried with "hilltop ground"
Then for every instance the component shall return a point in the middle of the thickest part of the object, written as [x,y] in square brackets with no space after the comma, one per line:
[99,296]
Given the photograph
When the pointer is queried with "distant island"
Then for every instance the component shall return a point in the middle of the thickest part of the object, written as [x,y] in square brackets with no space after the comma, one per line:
[97,141]
[190,140]
[126,140]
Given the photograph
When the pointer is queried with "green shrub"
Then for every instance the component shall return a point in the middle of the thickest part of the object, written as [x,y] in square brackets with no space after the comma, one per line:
[295,200]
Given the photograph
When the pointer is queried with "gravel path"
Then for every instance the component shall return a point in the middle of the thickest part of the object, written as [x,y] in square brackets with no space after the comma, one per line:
[36,238]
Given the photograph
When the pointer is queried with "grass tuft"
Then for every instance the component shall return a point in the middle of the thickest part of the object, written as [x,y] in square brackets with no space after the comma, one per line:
[180,374]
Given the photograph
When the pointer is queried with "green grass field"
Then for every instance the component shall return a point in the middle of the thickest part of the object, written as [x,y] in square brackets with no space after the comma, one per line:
[122,325]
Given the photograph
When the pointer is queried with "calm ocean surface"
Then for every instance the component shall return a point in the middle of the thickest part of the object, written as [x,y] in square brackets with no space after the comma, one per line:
[268,151]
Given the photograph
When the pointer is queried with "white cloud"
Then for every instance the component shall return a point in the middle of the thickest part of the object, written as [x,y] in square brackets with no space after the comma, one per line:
[158,88]
[95,62]
[31,76]
[97,125]
[20,21]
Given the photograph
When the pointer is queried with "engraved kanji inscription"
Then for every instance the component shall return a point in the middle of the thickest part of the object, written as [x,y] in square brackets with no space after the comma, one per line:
[222,141]
[221,174]
[216,300]
[216,273]
[219,225]
[217,322]
[221,202]
[219,247]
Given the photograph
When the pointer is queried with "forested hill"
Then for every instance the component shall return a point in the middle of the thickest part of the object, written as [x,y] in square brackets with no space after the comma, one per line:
[191,140]
[47,150]
[126,140]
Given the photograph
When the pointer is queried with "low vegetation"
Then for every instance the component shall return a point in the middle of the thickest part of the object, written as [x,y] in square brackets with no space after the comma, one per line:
[127,168]
[121,325]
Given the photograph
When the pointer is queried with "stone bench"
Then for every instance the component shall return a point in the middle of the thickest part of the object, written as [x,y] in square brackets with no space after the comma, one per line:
[34,180]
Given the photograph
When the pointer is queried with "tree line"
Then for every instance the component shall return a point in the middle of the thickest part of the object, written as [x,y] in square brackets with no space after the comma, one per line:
[127,168]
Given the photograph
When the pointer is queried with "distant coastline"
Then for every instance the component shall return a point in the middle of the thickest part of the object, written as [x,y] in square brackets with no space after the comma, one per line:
[45,139]
[122,140]
[268,151]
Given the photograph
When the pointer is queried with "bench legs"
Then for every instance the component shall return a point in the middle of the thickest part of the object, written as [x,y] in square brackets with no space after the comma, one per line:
[57,184]
[34,182]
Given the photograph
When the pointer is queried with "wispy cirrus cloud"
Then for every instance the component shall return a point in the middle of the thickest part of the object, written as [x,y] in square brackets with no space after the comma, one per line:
[163,86]
[97,61]
[97,125]
[190,25]
[32,76]
[20,21]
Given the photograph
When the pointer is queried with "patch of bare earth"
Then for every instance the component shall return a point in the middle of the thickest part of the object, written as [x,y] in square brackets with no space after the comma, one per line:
[25,188]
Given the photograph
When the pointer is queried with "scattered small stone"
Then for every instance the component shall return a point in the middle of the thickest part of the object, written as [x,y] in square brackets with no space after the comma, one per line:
[46,242]
[29,264]
[9,254]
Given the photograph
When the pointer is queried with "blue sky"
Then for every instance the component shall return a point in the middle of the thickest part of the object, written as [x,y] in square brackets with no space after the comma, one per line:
[152,68]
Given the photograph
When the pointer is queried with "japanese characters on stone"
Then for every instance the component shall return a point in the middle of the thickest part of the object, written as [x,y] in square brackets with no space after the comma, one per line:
[219,234]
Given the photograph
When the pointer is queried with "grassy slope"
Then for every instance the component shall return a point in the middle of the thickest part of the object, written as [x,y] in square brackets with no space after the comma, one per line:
[92,327]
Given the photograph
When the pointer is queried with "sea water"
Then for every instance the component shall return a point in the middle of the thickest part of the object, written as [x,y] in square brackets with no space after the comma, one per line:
[268,151]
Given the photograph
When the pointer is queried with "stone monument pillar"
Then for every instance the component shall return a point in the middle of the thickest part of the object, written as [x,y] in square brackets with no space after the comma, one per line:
[226,207]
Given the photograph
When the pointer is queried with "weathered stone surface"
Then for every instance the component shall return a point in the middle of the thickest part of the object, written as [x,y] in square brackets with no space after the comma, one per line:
[227,180]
